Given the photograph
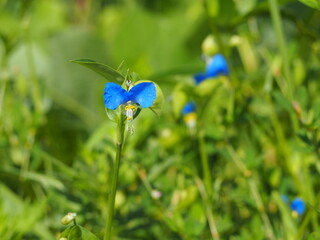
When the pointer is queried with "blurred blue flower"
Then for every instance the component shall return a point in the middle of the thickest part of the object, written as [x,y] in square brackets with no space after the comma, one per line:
[190,116]
[189,108]
[298,206]
[217,65]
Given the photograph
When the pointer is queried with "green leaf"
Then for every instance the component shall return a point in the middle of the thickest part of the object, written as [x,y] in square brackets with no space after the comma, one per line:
[244,7]
[107,72]
[87,235]
[112,115]
[311,3]
[66,232]
[282,101]
[134,77]
[179,100]
[207,87]
[75,233]
[196,220]
[213,7]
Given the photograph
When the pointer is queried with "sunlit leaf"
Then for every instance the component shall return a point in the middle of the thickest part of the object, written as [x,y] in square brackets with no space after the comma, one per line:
[179,99]
[87,235]
[107,72]
[75,233]
[311,3]
[213,7]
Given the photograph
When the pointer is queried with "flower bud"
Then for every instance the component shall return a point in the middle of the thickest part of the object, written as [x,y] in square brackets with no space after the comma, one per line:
[68,218]
[209,46]
[156,194]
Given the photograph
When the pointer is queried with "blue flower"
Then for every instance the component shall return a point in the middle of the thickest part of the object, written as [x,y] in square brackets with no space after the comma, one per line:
[142,94]
[298,206]
[190,116]
[190,107]
[216,66]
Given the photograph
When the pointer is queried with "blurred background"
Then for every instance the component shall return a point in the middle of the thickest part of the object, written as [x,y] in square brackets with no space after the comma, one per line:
[259,124]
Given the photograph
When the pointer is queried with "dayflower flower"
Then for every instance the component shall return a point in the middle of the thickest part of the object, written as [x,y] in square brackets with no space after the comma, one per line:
[215,66]
[190,115]
[298,207]
[141,95]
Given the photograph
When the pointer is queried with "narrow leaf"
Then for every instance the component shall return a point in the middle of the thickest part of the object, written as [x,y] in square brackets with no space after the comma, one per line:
[311,3]
[107,72]
[75,233]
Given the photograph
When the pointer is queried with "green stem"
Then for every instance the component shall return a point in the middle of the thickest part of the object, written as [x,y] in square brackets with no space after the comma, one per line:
[277,24]
[257,198]
[214,29]
[208,209]
[205,164]
[3,82]
[115,174]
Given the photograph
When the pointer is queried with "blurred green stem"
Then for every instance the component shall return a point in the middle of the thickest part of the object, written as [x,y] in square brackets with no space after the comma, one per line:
[312,210]
[208,209]
[206,188]
[3,81]
[214,28]
[277,24]
[205,163]
[36,94]
[115,174]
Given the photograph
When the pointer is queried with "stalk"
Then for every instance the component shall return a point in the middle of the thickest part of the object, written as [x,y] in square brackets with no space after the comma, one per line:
[205,164]
[115,175]
[208,209]
[277,25]
[205,187]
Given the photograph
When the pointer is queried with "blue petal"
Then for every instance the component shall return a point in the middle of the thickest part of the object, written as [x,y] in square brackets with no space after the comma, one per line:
[217,66]
[144,94]
[114,96]
[198,78]
[298,205]
[189,108]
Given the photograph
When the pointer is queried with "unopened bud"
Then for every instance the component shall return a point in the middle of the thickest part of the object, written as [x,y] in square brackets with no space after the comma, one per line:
[68,218]
[209,46]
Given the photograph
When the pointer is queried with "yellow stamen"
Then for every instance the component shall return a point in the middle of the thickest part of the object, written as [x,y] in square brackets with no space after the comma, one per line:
[190,117]
[130,110]
[295,214]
